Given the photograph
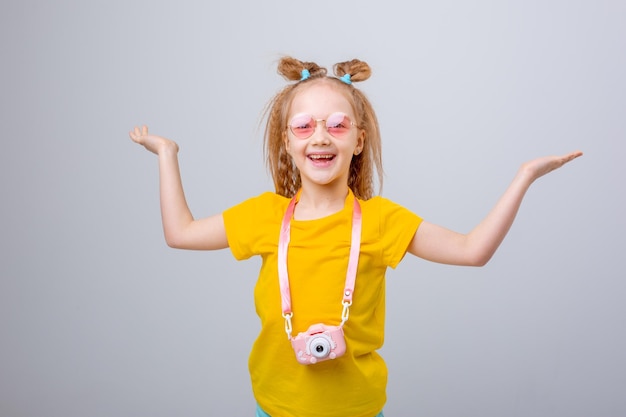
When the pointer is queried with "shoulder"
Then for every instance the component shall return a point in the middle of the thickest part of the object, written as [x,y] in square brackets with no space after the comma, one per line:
[384,206]
[392,225]
[389,216]
[262,205]
[264,199]
[252,226]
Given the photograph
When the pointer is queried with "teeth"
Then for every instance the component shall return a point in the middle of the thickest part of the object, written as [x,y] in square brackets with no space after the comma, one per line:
[321,156]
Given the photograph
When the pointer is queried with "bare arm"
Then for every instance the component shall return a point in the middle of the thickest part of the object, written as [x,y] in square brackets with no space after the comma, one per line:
[181,229]
[476,248]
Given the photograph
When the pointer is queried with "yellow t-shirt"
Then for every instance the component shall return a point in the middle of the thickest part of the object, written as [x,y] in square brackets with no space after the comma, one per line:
[354,384]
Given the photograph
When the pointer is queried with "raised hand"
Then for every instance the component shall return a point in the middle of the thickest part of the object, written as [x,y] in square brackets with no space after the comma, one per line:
[438,244]
[539,167]
[153,143]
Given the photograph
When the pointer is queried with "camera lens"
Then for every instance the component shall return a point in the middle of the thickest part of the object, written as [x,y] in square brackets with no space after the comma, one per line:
[320,347]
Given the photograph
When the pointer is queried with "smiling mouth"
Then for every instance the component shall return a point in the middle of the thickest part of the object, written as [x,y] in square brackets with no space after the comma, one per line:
[327,157]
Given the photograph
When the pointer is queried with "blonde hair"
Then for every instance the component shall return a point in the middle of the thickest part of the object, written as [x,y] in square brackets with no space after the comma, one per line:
[284,172]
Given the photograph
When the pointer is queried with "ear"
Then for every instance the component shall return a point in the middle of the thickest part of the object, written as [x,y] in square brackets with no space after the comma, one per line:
[286,141]
[360,142]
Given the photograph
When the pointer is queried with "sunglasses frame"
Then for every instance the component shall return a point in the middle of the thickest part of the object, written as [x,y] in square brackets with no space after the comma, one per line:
[317,121]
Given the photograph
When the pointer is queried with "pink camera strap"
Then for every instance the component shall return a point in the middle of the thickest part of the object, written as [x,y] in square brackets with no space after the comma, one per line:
[283,275]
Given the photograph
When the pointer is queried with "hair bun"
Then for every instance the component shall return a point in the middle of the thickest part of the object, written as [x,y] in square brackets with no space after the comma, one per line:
[356,69]
[291,68]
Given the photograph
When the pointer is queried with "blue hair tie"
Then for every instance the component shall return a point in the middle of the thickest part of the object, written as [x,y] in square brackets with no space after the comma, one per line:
[305,74]
[346,79]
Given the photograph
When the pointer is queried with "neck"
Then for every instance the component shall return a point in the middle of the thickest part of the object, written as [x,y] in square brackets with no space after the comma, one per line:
[318,202]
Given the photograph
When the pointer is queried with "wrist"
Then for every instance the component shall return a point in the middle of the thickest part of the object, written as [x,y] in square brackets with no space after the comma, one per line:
[168,148]
[525,177]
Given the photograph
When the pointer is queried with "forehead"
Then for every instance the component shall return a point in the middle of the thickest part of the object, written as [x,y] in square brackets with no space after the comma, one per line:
[321,99]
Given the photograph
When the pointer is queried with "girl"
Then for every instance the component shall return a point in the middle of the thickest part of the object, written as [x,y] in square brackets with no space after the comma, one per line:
[325,242]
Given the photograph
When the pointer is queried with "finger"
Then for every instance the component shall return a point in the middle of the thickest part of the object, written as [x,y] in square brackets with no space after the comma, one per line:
[135,134]
[571,156]
[144,130]
[576,154]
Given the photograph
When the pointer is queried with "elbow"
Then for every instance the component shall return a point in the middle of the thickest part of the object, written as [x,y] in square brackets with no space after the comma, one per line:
[173,241]
[479,259]
[480,263]
[478,254]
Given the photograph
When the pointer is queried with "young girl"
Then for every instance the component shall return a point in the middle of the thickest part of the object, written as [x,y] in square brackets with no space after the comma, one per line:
[325,242]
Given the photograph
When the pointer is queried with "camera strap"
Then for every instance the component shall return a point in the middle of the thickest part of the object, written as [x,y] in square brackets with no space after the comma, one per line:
[283,275]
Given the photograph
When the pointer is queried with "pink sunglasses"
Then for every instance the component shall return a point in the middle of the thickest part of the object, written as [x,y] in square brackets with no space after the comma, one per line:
[304,125]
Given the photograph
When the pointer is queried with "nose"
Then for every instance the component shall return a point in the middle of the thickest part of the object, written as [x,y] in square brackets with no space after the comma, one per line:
[320,135]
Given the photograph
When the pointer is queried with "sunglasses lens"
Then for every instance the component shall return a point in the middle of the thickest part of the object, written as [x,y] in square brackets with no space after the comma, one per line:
[302,126]
[338,124]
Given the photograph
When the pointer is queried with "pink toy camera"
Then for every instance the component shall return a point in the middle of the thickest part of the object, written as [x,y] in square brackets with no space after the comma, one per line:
[319,343]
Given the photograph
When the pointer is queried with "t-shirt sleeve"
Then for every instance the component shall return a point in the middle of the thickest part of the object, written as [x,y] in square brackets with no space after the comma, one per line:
[398,229]
[253,225]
